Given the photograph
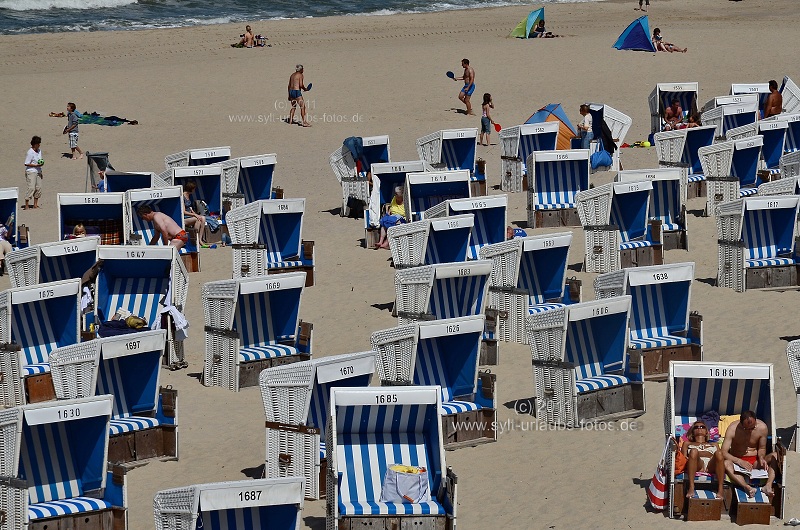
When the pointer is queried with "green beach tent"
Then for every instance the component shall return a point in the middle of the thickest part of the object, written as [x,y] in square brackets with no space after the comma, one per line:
[524,29]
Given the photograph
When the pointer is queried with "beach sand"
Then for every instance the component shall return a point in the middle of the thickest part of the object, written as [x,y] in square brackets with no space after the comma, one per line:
[385,75]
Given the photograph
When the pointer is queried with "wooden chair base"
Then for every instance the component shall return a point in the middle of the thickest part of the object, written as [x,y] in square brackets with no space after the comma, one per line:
[753,513]
[696,189]
[704,510]
[249,371]
[39,388]
[102,520]
[676,240]
[768,277]
[139,446]
[474,428]
[191,260]
[656,360]
[611,403]
[477,188]
[490,353]
[556,218]
[393,522]
[641,256]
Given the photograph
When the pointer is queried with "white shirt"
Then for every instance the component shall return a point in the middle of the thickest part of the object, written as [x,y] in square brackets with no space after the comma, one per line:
[587,121]
[33,158]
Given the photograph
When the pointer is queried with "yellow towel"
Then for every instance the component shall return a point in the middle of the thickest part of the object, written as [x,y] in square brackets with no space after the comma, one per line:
[412,470]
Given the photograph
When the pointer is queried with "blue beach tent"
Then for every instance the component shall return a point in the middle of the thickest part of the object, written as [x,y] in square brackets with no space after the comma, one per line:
[636,37]
[524,29]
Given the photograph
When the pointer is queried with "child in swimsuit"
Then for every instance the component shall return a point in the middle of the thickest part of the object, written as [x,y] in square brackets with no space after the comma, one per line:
[486,119]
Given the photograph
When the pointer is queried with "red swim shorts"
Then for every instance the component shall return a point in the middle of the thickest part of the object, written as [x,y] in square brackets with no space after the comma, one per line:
[751,459]
[183,236]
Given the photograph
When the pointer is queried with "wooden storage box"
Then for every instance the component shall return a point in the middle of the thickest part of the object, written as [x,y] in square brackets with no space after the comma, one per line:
[406,522]
[557,218]
[675,240]
[641,256]
[696,189]
[753,513]
[656,360]
[701,509]
[191,260]
[39,388]
[477,188]
[764,277]
[102,520]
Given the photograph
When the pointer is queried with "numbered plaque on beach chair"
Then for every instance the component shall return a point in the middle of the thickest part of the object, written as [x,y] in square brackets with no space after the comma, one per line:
[695,389]
[580,366]
[52,262]
[554,178]
[729,117]
[667,201]
[756,242]
[121,181]
[760,90]
[444,353]
[375,429]
[679,149]
[353,175]
[297,405]
[198,157]
[248,179]
[517,144]
[267,239]
[242,505]
[101,214]
[490,219]
[617,228]
[252,324]
[661,97]
[34,321]
[661,326]
[451,149]
[738,99]
[448,290]
[149,282]
[528,274]
[426,190]
[54,468]
[731,169]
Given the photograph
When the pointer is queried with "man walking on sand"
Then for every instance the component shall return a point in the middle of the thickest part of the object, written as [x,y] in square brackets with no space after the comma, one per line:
[774,104]
[646,2]
[469,85]
[296,88]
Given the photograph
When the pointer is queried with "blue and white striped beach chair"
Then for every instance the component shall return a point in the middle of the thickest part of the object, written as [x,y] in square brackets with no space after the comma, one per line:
[661,326]
[426,190]
[793,357]
[728,117]
[756,242]
[431,241]
[617,228]
[54,467]
[489,221]
[167,200]
[792,141]
[376,428]
[580,366]
[102,214]
[252,324]
[385,178]
[354,176]
[198,157]
[618,125]
[34,321]
[274,503]
[731,169]
[517,144]
[791,95]
[9,215]
[737,99]
[452,149]
[297,406]
[267,238]
[773,134]
[695,388]
[529,274]
[248,179]
[554,178]
[121,181]
[52,262]
[661,97]
[208,179]
[440,291]
[444,353]
[679,149]
[667,201]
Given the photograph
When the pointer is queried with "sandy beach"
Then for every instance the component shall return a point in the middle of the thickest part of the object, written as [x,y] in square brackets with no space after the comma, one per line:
[385,75]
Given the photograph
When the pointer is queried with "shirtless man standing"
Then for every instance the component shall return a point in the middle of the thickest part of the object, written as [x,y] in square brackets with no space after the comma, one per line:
[774,104]
[469,85]
[166,228]
[296,88]
[746,445]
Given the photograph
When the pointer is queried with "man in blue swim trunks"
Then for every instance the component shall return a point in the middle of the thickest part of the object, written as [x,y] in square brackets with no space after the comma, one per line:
[469,85]
[296,88]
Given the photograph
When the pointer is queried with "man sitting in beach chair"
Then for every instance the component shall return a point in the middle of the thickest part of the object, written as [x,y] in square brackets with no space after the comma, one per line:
[166,229]
[745,453]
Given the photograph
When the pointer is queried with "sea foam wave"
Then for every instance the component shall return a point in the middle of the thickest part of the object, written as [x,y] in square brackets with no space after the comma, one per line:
[39,5]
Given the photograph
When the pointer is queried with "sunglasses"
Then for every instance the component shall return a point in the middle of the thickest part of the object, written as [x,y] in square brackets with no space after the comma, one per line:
[699,427]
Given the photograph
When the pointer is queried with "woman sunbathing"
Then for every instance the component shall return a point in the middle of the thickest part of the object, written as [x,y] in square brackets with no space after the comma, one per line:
[702,456]
[663,46]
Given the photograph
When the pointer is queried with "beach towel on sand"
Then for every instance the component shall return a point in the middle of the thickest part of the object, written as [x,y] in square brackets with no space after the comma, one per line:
[111,121]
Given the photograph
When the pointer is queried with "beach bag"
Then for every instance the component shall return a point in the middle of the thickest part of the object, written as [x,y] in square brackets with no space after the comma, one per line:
[657,490]
[405,484]
[601,158]
[212,223]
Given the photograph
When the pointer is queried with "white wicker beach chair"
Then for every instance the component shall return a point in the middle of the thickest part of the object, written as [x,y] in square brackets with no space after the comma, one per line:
[385,178]
[167,200]
[490,219]
[34,321]
[738,99]
[353,176]
[793,357]
[784,186]
[791,95]
[661,326]
[431,241]
[9,215]
[408,243]
[517,144]
[529,273]
[756,242]
[267,238]
[428,189]
[208,179]
[122,181]
[667,201]
[198,157]
[617,228]
[444,353]
[792,140]
[679,149]
[760,90]
[554,179]
[149,282]
[773,135]
[54,468]
[102,214]
[397,425]
[730,116]
[297,406]
[618,123]
[252,324]
[693,390]
[661,98]
[451,149]
[51,262]
[580,366]
[240,505]
[731,170]
[248,179]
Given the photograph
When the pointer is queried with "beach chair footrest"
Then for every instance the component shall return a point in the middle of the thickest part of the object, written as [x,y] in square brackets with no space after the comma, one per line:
[371,237]
[696,189]
[191,260]
[641,256]
[753,513]
[656,360]
[477,188]
[556,218]
[465,429]
[614,402]
[675,240]
[102,520]
[766,277]
[490,353]
[249,371]
[40,388]
[704,509]
[146,444]
[393,522]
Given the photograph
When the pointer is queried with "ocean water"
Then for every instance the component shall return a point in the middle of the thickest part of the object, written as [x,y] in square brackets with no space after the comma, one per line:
[49,16]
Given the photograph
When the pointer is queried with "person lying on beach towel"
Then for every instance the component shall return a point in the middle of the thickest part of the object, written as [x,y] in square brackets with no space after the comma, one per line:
[664,46]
